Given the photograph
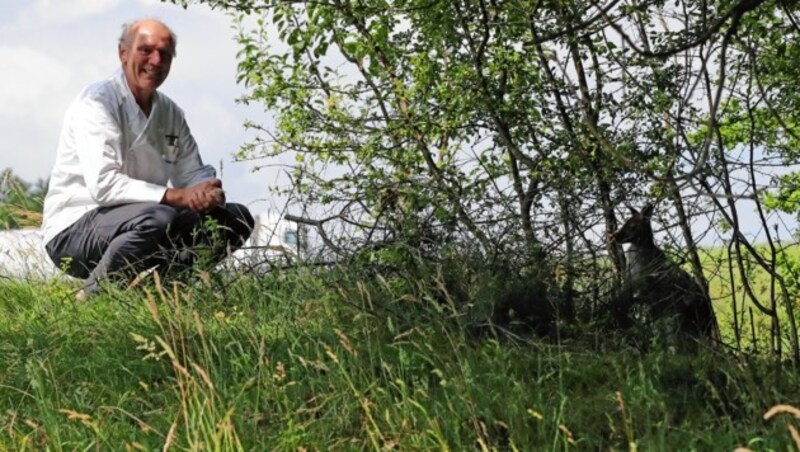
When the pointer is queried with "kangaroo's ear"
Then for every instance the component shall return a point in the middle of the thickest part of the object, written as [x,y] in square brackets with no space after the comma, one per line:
[647,210]
[634,212]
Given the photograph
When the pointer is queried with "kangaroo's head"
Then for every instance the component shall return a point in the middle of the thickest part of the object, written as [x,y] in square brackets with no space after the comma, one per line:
[637,229]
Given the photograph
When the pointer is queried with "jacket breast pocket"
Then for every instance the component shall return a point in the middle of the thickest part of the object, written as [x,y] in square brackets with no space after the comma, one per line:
[145,162]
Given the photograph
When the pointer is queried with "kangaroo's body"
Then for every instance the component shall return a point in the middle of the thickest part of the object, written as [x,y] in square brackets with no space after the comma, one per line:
[671,298]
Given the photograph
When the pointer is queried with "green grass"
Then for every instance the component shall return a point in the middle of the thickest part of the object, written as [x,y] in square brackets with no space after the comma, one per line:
[333,361]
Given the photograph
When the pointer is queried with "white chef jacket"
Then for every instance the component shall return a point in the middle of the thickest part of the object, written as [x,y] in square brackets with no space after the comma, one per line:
[110,153]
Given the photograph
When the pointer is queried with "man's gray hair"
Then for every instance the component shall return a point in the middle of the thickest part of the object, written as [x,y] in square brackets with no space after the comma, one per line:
[129,28]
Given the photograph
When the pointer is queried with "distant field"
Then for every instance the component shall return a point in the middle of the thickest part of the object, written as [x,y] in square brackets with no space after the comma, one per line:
[729,295]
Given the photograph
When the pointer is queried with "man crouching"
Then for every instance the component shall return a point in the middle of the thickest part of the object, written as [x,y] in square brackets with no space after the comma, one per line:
[129,190]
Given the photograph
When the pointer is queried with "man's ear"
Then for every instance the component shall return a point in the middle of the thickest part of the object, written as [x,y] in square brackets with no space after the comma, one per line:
[122,51]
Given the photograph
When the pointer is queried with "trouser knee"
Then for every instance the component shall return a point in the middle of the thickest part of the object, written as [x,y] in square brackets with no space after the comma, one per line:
[158,216]
[241,220]
[155,221]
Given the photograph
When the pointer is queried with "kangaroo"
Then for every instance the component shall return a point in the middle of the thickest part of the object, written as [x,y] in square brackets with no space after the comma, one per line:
[670,296]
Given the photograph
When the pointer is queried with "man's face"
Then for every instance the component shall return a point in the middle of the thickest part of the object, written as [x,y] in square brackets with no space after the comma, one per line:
[146,58]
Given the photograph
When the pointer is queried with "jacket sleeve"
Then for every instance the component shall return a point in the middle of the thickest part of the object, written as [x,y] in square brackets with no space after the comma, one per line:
[189,168]
[98,144]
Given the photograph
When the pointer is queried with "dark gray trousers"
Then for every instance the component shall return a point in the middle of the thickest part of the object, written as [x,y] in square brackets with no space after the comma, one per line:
[120,241]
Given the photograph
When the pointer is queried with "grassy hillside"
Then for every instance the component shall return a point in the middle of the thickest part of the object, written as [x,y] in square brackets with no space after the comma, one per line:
[332,360]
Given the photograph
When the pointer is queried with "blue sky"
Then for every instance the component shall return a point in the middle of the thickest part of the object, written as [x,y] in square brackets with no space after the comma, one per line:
[51,49]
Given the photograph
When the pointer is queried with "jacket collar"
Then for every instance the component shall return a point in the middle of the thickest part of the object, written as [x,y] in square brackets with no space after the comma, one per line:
[129,102]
